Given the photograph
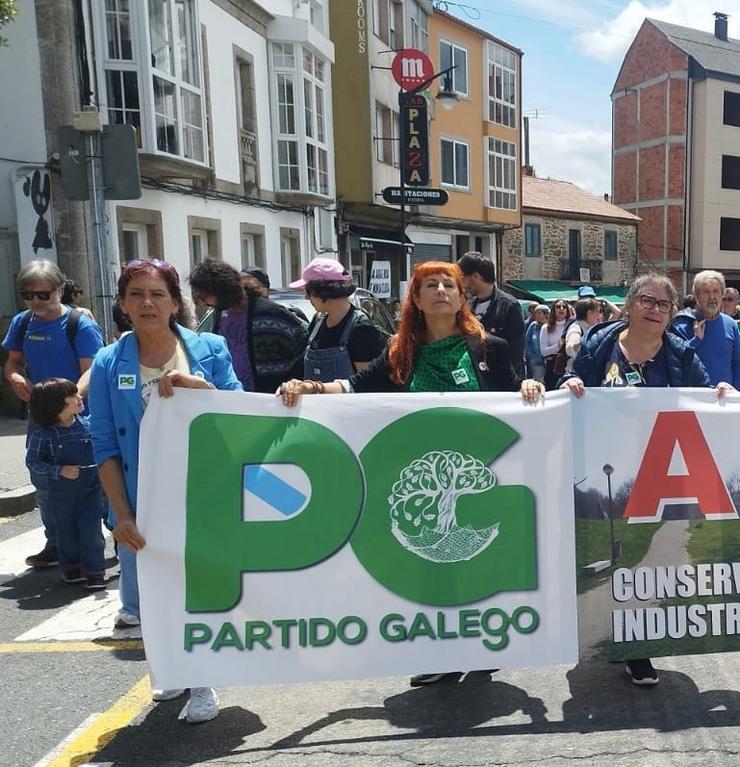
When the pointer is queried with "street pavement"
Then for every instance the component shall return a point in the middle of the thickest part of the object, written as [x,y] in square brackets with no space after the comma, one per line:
[75,692]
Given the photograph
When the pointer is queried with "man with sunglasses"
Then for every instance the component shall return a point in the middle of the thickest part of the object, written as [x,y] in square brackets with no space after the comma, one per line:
[713,335]
[39,346]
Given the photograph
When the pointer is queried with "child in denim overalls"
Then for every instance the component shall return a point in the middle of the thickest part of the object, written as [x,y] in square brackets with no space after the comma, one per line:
[62,450]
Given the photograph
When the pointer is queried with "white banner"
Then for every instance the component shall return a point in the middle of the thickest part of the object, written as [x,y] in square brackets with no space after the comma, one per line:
[380,279]
[354,536]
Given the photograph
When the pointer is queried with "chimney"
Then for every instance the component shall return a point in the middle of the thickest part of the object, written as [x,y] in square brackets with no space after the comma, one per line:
[720,26]
[606,197]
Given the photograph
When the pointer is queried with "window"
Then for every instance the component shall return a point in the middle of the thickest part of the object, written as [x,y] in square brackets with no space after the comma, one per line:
[204,235]
[729,234]
[502,66]
[316,16]
[502,172]
[730,172]
[290,255]
[385,146]
[454,163]
[533,240]
[133,242]
[302,103]
[419,27]
[453,55]
[610,245]
[168,58]
[731,114]
[253,245]
[247,115]
[198,246]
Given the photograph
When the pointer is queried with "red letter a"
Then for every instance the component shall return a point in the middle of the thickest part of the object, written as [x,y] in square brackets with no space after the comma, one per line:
[654,488]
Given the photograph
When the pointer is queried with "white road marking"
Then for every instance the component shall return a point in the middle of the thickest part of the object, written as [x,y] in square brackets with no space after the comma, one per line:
[62,745]
[14,551]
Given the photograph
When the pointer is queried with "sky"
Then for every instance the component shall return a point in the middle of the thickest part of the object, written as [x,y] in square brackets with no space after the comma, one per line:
[572,53]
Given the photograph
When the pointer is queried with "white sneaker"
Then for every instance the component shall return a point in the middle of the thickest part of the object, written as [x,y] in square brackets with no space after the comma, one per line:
[126,620]
[202,706]
[160,695]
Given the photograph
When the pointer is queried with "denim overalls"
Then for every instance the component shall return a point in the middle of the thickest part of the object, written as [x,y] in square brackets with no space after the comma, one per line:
[78,507]
[327,365]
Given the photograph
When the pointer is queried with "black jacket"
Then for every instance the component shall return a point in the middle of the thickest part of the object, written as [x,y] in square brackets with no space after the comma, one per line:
[276,342]
[503,318]
[491,361]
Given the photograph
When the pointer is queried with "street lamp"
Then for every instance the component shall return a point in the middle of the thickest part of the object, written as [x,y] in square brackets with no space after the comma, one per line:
[447,99]
[608,469]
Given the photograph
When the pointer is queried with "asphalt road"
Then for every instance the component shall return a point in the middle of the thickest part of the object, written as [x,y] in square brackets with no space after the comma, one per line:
[70,701]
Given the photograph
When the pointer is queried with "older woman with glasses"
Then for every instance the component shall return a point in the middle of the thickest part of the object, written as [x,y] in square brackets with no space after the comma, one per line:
[159,354]
[639,351]
[550,337]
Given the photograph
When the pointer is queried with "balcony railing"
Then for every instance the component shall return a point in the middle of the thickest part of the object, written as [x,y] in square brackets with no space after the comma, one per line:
[250,162]
[575,271]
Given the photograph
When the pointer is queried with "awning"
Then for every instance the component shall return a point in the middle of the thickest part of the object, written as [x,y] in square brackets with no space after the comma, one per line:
[547,291]
[371,234]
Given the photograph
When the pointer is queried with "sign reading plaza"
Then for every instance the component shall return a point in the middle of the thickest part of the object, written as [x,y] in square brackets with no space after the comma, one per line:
[354,536]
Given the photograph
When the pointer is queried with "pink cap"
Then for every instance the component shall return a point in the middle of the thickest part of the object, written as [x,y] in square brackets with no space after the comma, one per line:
[325,269]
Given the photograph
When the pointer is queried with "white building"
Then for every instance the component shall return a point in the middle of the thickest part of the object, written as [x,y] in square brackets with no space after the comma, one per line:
[231,102]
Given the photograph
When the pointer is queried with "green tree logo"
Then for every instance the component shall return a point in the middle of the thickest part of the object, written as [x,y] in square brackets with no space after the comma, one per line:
[423,503]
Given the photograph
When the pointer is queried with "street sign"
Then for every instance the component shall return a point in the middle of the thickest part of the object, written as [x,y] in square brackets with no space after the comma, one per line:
[415,195]
[414,141]
[411,67]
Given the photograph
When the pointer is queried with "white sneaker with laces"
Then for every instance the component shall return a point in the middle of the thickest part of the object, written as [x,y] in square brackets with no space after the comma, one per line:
[126,620]
[160,695]
[202,706]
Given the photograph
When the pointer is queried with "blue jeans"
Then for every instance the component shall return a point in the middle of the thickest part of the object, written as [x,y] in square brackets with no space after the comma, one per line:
[128,581]
[41,483]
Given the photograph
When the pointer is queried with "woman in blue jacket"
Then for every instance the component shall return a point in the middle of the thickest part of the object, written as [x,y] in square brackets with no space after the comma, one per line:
[639,351]
[158,353]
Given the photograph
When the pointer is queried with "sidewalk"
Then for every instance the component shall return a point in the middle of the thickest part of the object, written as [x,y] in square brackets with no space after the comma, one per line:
[16,491]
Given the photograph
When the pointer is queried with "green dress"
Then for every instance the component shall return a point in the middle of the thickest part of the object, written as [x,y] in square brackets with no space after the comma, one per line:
[444,365]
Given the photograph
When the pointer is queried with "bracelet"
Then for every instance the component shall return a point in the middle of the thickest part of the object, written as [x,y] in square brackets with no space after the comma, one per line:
[317,387]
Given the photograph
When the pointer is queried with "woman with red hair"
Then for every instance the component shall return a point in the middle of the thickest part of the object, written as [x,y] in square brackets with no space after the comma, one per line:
[440,346]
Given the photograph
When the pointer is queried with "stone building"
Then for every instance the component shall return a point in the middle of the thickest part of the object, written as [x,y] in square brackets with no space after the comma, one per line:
[569,237]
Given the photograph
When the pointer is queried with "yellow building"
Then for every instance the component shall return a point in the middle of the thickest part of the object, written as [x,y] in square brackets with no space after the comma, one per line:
[474,149]
[476,146]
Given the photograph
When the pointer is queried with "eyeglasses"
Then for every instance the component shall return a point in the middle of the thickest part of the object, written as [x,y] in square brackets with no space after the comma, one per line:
[648,302]
[42,295]
[561,306]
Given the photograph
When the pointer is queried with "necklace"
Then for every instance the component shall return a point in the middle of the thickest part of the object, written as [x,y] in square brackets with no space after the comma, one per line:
[163,360]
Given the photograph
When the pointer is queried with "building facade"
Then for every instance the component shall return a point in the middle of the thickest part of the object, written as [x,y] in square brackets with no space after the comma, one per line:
[676,147]
[474,149]
[232,107]
[569,237]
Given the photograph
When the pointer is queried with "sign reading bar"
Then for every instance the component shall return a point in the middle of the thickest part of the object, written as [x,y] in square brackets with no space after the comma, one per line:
[415,196]
[415,141]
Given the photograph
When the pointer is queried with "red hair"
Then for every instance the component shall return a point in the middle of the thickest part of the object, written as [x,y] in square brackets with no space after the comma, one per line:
[404,346]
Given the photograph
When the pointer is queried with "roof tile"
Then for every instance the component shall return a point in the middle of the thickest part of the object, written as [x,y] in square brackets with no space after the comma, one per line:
[565,197]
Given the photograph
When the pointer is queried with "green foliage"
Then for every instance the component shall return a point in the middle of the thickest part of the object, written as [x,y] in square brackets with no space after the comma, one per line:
[594,544]
[8,11]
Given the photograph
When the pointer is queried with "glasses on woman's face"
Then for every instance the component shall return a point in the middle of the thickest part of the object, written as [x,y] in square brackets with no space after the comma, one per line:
[42,295]
[560,307]
[162,266]
[650,302]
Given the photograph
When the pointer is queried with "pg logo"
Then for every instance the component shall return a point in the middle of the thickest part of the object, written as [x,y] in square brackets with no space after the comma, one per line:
[420,506]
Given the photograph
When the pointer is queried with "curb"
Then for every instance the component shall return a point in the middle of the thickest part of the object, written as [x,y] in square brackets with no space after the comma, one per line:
[17,501]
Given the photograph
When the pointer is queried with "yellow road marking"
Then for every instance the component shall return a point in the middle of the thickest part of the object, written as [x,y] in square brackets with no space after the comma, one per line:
[104,728]
[111,644]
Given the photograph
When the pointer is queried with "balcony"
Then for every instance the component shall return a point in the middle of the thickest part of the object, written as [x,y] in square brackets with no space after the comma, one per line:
[587,271]
[249,159]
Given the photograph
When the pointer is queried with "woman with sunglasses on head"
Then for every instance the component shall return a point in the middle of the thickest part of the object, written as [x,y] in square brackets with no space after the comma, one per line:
[638,351]
[550,337]
[160,353]
[47,340]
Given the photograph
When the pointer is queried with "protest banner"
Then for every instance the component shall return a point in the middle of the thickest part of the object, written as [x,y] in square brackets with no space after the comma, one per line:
[380,279]
[354,536]
[657,483]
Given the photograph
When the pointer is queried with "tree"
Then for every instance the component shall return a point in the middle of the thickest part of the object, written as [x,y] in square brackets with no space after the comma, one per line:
[8,11]
[427,491]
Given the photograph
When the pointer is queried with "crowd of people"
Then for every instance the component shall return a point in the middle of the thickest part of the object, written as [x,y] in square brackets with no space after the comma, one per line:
[457,332]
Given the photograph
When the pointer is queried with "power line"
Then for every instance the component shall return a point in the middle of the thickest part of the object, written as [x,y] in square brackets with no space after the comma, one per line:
[475,14]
